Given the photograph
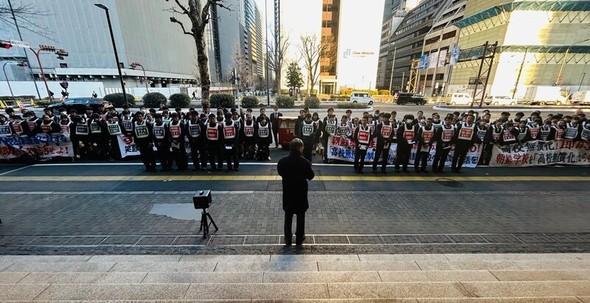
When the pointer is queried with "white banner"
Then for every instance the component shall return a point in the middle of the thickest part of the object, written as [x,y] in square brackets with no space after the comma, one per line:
[127,146]
[541,153]
[343,149]
[41,145]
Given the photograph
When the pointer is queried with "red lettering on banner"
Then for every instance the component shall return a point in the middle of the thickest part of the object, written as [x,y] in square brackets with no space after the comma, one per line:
[567,144]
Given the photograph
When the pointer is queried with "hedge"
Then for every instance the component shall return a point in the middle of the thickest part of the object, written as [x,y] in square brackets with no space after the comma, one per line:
[153,100]
[222,100]
[118,100]
[285,102]
[180,100]
[249,102]
[350,105]
[312,102]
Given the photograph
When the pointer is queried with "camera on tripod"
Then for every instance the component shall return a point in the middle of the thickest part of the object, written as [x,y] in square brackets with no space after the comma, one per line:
[202,200]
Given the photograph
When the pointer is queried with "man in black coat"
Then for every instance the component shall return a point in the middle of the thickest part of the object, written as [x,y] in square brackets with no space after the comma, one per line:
[295,172]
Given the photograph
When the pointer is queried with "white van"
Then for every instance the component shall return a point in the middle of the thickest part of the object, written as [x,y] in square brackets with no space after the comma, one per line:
[361,97]
[459,99]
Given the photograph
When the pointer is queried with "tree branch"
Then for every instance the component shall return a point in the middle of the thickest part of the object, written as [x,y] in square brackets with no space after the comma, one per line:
[205,12]
[174,20]
[182,7]
[172,10]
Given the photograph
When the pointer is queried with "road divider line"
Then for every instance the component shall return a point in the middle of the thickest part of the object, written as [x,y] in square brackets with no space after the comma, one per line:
[241,178]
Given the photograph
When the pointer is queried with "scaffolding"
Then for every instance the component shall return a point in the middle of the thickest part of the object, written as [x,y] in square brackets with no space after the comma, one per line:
[485,54]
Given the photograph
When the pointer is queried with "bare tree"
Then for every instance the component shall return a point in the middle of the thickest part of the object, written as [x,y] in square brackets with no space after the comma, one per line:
[243,68]
[312,51]
[276,57]
[199,16]
[25,14]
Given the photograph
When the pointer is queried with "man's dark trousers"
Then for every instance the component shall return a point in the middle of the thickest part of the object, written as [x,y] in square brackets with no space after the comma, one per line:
[300,230]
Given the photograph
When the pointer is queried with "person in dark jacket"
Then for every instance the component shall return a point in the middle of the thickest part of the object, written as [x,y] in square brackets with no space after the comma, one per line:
[296,172]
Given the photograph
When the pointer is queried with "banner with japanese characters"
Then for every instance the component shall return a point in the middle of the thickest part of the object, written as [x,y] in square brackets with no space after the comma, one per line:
[39,145]
[342,149]
[541,153]
[127,146]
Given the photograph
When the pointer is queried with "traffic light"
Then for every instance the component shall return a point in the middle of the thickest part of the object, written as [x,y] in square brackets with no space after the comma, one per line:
[5,44]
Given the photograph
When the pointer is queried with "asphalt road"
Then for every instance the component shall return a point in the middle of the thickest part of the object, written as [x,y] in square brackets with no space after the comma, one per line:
[117,207]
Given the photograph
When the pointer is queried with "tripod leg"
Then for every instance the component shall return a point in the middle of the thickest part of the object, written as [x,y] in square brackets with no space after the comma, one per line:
[204,224]
[212,222]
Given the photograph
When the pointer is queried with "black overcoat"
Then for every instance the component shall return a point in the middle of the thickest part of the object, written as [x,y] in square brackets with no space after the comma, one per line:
[295,171]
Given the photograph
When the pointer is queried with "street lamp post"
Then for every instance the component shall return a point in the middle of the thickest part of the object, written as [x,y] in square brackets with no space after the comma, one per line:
[106,10]
[392,67]
[134,65]
[48,48]
[20,36]
[559,79]
[266,53]
[19,63]
[6,77]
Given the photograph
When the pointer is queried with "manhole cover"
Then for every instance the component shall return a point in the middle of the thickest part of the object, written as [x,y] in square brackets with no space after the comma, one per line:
[449,182]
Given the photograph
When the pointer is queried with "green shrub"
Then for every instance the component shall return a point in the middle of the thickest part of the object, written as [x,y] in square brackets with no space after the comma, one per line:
[180,100]
[249,102]
[383,92]
[222,100]
[339,97]
[312,102]
[153,100]
[285,102]
[350,105]
[118,100]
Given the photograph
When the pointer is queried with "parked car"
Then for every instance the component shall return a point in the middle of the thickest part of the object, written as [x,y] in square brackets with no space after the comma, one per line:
[79,104]
[404,97]
[459,99]
[361,97]
[499,100]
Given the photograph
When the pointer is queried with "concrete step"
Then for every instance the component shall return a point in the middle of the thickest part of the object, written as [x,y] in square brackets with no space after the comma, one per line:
[312,278]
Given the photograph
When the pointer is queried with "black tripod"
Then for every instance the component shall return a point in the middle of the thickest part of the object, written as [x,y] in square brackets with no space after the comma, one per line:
[205,224]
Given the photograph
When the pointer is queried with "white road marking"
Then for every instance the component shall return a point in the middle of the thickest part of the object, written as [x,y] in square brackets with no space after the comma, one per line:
[13,171]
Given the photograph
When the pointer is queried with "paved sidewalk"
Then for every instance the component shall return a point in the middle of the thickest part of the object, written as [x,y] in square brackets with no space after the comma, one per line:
[314,278]
[337,222]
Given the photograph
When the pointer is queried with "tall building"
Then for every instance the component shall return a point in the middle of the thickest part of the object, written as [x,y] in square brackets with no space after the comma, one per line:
[253,37]
[405,46]
[393,14]
[438,44]
[346,27]
[144,34]
[539,43]
[142,30]
[227,40]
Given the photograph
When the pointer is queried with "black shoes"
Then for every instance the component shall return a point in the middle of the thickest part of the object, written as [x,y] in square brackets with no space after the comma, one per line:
[299,243]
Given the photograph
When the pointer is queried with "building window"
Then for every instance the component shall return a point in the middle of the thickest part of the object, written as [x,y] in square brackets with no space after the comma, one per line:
[327,23]
[63,65]
[329,7]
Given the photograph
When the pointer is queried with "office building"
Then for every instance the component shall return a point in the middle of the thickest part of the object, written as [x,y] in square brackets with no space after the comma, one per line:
[540,43]
[348,29]
[405,45]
